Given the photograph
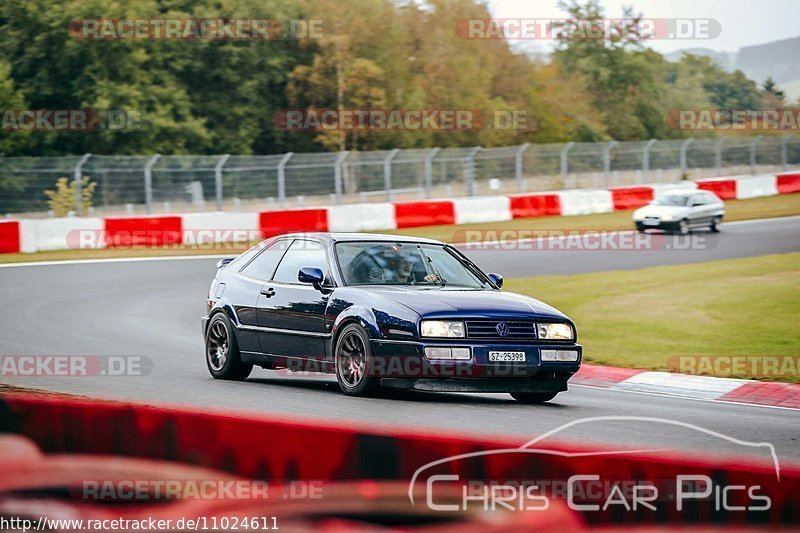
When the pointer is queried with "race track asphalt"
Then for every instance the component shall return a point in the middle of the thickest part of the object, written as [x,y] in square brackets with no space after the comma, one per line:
[153,309]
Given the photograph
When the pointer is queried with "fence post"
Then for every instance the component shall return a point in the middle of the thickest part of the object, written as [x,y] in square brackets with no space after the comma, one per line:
[337,175]
[785,151]
[518,165]
[470,170]
[753,153]
[429,170]
[718,155]
[148,183]
[282,178]
[387,173]
[76,174]
[684,147]
[218,178]
[564,162]
[607,160]
[646,158]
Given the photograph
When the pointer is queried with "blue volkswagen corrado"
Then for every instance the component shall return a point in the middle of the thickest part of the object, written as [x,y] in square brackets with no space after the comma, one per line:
[384,311]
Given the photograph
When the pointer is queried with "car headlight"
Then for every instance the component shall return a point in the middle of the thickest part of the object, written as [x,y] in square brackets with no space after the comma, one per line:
[555,332]
[666,217]
[442,328]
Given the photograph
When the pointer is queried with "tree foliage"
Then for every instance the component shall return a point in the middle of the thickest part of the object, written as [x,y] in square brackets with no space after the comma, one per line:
[221,96]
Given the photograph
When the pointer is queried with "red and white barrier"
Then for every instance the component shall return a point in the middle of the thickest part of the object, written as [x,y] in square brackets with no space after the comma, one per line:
[278,222]
[482,209]
[788,183]
[756,186]
[427,213]
[205,228]
[631,197]
[585,202]
[361,217]
[535,205]
[725,188]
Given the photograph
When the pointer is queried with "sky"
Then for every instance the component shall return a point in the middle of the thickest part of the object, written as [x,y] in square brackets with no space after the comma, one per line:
[743,22]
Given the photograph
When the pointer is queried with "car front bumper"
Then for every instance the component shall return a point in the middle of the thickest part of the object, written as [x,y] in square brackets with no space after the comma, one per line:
[672,225]
[404,365]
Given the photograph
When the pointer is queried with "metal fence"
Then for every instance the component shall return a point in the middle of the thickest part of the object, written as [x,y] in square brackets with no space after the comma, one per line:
[156,184]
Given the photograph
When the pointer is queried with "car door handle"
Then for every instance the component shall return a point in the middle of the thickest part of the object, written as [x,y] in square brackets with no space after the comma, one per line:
[269,292]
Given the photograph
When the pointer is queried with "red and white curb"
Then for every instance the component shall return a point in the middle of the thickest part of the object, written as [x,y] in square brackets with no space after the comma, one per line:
[35,235]
[766,393]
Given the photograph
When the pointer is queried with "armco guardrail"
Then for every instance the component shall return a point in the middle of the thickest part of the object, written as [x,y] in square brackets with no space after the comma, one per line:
[151,184]
[32,235]
[277,449]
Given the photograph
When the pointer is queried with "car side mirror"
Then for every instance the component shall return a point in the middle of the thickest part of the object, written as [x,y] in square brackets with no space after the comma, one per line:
[313,276]
[223,262]
[497,279]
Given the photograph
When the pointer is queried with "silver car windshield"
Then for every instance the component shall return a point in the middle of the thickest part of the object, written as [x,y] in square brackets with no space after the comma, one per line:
[680,200]
[396,263]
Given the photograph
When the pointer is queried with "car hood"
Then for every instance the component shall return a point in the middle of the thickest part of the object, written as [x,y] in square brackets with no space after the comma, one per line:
[660,210]
[447,302]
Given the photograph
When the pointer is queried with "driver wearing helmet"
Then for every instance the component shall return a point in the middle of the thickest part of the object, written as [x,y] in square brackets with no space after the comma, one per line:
[398,268]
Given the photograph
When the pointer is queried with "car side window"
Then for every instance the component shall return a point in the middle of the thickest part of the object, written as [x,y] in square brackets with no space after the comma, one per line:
[262,267]
[301,254]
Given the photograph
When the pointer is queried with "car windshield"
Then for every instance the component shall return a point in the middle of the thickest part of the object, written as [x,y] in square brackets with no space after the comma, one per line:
[680,200]
[405,263]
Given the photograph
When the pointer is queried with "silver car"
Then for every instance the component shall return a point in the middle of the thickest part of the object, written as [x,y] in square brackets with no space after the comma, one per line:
[681,211]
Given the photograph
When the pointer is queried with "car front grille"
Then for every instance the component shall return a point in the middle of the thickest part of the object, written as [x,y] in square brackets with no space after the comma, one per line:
[518,330]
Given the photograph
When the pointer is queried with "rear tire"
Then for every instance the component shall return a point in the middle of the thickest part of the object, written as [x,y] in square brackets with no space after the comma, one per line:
[222,351]
[353,362]
[716,222]
[533,397]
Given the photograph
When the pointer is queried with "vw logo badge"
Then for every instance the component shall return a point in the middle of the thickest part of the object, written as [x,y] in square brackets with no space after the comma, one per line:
[502,329]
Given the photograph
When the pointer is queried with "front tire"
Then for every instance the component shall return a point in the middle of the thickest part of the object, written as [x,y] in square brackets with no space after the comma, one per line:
[683,227]
[353,362]
[533,397]
[222,351]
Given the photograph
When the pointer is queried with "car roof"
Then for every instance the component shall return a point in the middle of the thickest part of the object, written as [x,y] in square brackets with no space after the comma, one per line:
[365,237]
[684,192]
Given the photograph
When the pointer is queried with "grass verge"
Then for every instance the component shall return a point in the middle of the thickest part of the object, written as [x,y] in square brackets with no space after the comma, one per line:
[769,207]
[642,318]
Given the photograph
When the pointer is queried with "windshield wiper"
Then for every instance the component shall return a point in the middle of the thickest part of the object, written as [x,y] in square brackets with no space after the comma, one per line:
[433,267]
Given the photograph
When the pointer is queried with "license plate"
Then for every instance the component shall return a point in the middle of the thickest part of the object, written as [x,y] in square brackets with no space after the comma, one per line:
[650,222]
[507,357]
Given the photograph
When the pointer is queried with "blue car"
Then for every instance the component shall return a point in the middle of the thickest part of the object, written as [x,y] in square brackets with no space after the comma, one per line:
[382,311]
